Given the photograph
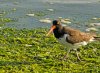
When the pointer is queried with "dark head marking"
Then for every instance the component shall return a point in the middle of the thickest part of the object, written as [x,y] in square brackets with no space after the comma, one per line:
[56,22]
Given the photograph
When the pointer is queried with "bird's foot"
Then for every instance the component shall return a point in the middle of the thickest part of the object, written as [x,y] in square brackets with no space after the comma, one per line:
[65,57]
[78,56]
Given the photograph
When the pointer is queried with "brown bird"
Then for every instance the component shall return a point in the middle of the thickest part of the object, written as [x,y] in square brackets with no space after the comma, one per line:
[70,37]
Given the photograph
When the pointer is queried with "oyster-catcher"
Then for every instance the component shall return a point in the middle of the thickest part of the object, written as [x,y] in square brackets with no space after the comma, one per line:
[70,37]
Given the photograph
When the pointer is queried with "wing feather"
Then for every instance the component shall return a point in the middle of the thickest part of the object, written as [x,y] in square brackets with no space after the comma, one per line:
[76,36]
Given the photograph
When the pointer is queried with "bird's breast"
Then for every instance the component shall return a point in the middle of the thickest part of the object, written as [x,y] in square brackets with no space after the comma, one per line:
[63,41]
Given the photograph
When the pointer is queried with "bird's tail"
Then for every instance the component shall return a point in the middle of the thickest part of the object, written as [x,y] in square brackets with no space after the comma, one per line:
[97,38]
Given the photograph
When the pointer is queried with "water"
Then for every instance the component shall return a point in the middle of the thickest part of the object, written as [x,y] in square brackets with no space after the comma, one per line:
[78,12]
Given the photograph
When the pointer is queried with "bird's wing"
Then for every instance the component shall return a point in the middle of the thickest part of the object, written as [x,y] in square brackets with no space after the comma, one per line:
[76,36]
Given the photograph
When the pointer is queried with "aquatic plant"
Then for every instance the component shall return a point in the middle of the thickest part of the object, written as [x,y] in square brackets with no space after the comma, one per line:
[30,51]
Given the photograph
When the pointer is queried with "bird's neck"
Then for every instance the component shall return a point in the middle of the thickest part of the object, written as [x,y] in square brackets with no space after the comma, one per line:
[58,32]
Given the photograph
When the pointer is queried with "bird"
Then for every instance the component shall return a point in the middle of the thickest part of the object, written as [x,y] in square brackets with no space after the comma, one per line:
[70,37]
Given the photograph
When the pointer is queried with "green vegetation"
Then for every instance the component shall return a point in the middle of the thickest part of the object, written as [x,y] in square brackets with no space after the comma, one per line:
[4,20]
[30,51]
[40,13]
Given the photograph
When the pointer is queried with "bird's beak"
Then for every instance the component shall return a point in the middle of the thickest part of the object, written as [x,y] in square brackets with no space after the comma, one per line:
[51,29]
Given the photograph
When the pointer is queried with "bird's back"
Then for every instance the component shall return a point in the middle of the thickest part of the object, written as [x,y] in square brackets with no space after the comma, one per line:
[76,36]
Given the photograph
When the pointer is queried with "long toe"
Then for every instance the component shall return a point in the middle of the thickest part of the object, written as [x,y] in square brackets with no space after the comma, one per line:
[65,57]
[78,56]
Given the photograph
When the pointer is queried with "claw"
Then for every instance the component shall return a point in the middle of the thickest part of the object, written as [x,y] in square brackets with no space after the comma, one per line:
[78,56]
[66,55]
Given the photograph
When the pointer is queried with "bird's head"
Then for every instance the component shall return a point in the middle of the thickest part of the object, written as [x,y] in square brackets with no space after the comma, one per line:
[55,23]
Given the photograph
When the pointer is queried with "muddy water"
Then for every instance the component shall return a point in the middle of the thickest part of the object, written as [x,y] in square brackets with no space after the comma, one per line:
[79,13]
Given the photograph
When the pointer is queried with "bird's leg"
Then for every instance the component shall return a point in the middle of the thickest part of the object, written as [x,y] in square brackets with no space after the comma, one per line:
[66,55]
[78,55]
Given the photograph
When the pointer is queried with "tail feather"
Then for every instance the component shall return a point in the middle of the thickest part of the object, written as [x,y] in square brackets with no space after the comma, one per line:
[97,38]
